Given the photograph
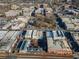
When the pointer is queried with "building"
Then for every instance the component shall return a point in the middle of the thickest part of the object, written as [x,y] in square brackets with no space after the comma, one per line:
[11,14]
[8,41]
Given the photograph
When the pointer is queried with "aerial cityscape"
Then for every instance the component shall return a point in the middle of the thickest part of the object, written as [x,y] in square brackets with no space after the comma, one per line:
[39,29]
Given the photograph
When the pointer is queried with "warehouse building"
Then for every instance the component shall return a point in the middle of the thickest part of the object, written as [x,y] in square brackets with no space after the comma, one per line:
[38,42]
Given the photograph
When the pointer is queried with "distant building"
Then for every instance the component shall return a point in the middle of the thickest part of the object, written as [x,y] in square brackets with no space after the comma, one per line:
[12,13]
[69,0]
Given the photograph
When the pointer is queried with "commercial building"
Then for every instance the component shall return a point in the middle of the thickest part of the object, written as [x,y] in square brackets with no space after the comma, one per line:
[38,42]
[8,42]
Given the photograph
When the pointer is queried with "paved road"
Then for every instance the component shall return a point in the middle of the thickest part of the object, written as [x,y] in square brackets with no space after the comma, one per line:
[37,57]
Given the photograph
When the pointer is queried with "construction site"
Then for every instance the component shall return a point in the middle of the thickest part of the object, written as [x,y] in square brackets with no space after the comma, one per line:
[39,29]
